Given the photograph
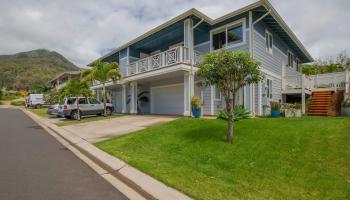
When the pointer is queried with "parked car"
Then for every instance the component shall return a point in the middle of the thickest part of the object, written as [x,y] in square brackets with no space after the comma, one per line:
[54,110]
[35,100]
[87,106]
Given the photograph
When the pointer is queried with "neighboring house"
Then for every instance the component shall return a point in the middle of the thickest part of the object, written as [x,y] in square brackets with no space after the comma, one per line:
[161,63]
[61,80]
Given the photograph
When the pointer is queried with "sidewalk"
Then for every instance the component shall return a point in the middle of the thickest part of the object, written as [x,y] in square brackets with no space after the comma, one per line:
[144,184]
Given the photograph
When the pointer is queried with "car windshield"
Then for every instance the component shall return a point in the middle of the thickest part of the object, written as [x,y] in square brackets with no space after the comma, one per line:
[71,100]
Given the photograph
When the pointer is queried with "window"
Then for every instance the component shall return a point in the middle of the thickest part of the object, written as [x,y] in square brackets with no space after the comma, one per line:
[217,93]
[234,35]
[290,59]
[269,88]
[94,101]
[219,40]
[83,101]
[269,42]
[227,36]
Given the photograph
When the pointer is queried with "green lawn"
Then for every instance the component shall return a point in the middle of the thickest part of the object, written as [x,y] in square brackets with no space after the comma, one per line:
[67,122]
[306,158]
[9,97]
[42,112]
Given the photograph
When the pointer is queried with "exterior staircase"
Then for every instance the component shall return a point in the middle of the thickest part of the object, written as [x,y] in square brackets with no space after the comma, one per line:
[321,103]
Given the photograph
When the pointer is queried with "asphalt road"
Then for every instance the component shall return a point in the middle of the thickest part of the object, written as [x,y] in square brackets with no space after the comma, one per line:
[34,166]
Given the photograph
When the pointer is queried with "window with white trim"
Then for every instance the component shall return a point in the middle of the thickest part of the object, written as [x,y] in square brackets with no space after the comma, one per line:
[227,36]
[269,88]
[268,42]
[290,59]
[217,93]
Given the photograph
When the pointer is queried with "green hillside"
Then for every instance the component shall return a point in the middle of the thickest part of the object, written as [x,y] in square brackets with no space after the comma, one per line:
[28,70]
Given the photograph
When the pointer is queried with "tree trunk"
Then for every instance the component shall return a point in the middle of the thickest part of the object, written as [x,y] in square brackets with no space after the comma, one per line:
[78,109]
[104,99]
[230,123]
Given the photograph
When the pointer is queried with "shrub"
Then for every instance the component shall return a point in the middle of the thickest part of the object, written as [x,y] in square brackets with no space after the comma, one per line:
[239,113]
[0,93]
[53,97]
[346,103]
[196,102]
[17,103]
[275,105]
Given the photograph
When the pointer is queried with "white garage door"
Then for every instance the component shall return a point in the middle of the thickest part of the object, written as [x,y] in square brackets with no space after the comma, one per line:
[167,100]
[117,101]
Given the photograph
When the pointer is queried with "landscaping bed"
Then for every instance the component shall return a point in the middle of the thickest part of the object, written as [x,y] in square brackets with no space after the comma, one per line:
[298,158]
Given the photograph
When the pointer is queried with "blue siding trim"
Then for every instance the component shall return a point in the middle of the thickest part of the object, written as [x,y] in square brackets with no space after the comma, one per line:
[123,53]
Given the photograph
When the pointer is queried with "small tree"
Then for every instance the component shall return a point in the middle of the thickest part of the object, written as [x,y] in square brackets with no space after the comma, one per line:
[103,72]
[76,88]
[229,71]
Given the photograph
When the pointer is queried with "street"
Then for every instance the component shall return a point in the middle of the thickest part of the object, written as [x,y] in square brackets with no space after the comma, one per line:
[34,166]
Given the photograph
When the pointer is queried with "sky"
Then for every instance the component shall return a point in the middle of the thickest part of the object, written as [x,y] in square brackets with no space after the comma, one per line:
[83,30]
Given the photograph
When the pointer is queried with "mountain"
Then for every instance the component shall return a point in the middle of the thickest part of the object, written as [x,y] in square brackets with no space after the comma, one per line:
[29,70]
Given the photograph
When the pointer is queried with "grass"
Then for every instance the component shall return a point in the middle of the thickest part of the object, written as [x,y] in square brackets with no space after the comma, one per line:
[42,112]
[305,158]
[68,122]
[9,97]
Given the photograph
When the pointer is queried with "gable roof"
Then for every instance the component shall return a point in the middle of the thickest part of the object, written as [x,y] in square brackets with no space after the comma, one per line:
[210,21]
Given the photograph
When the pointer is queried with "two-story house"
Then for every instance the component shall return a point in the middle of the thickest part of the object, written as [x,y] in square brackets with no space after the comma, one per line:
[161,63]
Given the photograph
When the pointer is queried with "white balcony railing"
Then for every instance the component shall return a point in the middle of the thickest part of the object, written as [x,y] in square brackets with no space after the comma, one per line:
[170,57]
[334,81]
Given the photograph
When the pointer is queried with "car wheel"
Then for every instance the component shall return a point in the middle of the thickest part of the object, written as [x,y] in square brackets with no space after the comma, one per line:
[67,117]
[109,111]
[74,115]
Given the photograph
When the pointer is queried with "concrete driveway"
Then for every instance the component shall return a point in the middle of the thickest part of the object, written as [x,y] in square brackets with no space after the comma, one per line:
[106,129]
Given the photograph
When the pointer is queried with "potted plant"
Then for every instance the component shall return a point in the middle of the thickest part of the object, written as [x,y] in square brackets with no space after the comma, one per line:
[196,106]
[345,111]
[275,109]
[294,110]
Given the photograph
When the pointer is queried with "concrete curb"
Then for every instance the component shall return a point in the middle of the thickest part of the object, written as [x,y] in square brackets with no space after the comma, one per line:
[144,184]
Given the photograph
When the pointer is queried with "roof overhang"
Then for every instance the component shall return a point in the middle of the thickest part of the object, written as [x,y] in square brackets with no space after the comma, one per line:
[205,18]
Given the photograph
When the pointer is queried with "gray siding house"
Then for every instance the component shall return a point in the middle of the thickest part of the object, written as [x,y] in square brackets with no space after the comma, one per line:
[160,64]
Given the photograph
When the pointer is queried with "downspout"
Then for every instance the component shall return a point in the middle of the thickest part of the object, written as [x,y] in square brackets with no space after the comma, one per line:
[251,32]
[191,57]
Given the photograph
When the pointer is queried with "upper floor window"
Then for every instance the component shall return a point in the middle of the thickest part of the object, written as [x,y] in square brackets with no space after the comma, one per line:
[269,42]
[219,40]
[227,36]
[290,59]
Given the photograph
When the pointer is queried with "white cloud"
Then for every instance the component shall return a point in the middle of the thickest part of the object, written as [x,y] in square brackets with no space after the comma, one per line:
[83,30]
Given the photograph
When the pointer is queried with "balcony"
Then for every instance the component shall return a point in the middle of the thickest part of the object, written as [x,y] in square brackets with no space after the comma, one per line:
[334,81]
[177,55]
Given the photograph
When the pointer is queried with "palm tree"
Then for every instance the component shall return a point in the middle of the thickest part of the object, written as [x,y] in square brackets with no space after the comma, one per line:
[76,88]
[103,72]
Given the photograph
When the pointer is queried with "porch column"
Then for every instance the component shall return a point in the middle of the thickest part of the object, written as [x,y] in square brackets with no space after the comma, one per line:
[260,99]
[188,38]
[124,98]
[303,101]
[133,97]
[347,84]
[188,92]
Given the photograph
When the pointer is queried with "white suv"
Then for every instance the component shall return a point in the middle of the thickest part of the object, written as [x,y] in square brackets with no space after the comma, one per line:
[87,106]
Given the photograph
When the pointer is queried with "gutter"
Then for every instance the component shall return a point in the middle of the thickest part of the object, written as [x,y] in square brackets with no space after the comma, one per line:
[252,90]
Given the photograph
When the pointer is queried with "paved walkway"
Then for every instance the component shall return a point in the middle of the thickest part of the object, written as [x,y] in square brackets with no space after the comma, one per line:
[33,165]
[106,129]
